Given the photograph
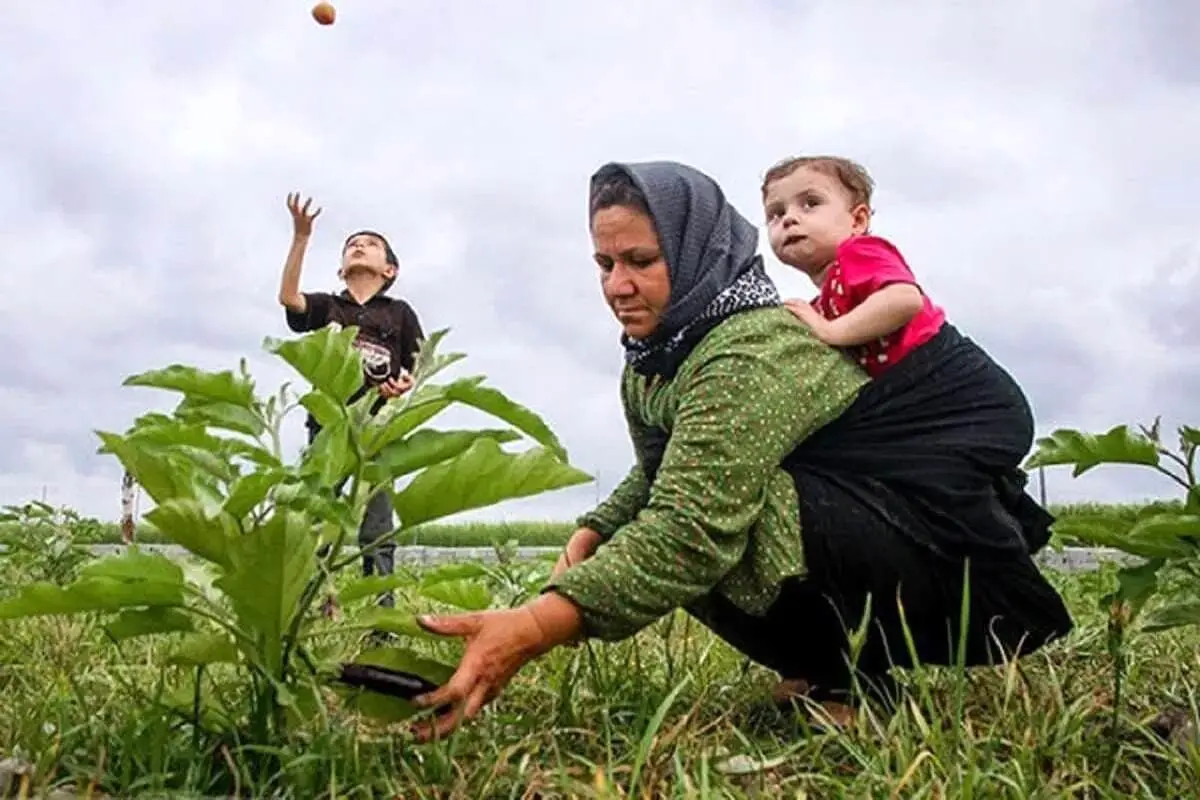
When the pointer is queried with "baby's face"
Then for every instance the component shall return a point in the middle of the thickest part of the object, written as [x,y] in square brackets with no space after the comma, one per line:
[809,214]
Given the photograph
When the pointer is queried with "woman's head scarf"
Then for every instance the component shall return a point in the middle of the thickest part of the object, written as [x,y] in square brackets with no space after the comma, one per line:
[712,258]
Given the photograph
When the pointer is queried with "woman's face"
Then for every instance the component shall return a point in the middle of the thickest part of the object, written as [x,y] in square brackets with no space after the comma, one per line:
[633,272]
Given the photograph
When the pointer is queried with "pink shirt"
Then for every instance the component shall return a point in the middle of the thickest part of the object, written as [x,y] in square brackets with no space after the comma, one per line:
[864,265]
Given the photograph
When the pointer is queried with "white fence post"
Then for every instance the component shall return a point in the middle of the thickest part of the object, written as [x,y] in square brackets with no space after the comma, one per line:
[128,498]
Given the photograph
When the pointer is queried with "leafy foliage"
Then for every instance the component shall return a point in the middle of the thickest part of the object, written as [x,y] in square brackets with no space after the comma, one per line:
[1166,542]
[42,541]
[270,533]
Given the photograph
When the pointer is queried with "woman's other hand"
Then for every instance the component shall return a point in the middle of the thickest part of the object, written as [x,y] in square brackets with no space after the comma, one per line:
[580,547]
[498,644]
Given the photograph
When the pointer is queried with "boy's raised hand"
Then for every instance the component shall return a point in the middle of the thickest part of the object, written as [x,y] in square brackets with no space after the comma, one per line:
[302,220]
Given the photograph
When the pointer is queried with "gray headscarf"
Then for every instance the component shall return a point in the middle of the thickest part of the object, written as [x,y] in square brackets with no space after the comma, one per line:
[712,258]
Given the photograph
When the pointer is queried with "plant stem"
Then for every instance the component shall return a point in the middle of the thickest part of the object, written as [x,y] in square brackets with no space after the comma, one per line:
[1187,487]
[328,567]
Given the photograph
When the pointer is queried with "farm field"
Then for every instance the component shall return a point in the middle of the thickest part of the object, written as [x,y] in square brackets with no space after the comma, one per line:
[552,534]
[671,713]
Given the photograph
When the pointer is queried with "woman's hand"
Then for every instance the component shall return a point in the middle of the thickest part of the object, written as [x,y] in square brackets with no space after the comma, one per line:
[580,547]
[498,644]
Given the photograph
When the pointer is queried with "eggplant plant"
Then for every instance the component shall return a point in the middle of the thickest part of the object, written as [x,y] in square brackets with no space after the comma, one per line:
[270,533]
[1165,543]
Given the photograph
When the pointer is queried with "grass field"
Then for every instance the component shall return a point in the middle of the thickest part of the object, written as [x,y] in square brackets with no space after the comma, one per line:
[672,713]
[550,534]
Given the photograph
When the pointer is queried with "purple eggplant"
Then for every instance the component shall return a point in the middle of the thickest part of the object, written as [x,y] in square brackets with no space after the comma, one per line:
[385,680]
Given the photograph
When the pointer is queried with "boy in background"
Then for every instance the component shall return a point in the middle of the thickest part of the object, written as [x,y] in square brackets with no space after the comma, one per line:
[389,335]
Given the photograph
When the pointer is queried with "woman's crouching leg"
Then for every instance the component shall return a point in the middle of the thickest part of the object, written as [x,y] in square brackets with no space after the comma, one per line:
[902,604]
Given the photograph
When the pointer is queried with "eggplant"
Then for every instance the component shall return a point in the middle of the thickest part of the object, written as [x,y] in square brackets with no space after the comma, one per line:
[385,680]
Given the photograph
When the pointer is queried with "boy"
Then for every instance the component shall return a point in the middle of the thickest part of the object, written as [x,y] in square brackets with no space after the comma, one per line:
[388,338]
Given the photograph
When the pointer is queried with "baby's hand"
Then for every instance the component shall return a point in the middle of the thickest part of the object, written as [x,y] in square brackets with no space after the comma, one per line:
[803,310]
[809,316]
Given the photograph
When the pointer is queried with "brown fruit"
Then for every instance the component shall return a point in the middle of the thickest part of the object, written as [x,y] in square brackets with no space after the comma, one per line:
[324,13]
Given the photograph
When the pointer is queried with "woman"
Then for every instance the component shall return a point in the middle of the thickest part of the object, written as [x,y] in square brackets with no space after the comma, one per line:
[774,492]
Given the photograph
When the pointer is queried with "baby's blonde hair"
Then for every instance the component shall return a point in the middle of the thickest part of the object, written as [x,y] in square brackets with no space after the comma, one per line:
[853,176]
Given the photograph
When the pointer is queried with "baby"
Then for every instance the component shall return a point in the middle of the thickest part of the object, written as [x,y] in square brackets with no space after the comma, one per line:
[818,213]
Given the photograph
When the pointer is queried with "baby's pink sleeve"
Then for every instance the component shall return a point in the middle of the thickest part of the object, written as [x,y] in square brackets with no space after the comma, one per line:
[870,263]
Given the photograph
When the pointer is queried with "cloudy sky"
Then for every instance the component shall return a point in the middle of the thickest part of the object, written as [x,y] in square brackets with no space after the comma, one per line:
[1036,161]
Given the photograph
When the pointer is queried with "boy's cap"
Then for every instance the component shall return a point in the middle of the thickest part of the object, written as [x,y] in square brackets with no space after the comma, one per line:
[389,253]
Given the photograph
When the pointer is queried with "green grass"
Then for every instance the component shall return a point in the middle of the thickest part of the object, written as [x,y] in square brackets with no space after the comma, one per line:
[661,715]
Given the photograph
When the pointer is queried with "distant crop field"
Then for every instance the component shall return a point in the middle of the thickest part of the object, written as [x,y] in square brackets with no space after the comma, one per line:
[539,533]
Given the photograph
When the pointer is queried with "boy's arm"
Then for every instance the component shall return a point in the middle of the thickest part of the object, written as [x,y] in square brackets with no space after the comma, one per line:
[290,296]
[875,274]
[305,311]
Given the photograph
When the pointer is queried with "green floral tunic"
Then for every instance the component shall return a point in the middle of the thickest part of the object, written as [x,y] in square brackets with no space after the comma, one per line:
[721,514]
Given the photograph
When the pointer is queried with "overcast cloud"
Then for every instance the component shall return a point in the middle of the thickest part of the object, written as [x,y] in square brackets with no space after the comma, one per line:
[1037,163]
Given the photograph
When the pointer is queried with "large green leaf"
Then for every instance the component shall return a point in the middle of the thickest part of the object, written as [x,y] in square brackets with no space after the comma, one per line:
[326,358]
[216,465]
[1158,536]
[1176,615]
[193,441]
[458,571]
[389,620]
[396,420]
[250,490]
[269,569]
[185,523]
[1137,584]
[148,621]
[329,458]
[216,414]
[221,387]
[233,448]
[202,649]
[428,447]
[158,476]
[168,433]
[1085,451]
[465,594]
[135,565]
[1170,528]
[324,409]
[386,708]
[131,580]
[480,477]
[371,586]
[498,405]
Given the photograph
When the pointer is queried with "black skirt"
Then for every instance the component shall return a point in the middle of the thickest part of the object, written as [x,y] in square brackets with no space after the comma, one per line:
[914,499]
[934,446]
